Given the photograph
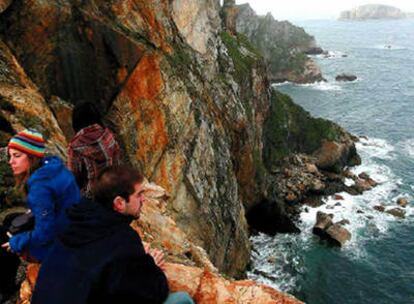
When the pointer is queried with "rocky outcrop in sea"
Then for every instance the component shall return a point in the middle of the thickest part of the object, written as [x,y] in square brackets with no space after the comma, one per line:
[372,11]
[284,45]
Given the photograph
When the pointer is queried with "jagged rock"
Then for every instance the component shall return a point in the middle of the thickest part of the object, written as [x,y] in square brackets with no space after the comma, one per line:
[362,185]
[333,156]
[17,91]
[402,201]
[345,77]
[338,235]
[323,222]
[311,168]
[282,44]
[379,208]
[314,51]
[63,113]
[363,175]
[338,197]
[207,287]
[343,222]
[4,4]
[317,186]
[397,212]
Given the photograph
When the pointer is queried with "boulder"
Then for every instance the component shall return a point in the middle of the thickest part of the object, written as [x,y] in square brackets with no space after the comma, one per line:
[345,77]
[379,208]
[323,222]
[314,51]
[397,212]
[338,235]
[333,156]
[402,202]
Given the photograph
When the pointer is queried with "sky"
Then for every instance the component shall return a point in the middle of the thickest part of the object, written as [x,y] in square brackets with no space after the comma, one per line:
[316,9]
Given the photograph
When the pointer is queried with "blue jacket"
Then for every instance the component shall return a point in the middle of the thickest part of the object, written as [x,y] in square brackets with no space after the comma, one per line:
[51,190]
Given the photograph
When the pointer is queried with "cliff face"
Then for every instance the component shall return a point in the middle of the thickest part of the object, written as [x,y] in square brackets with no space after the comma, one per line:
[190,103]
[282,44]
[372,11]
[162,75]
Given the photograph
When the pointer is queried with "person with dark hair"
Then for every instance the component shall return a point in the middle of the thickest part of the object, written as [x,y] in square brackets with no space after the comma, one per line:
[93,147]
[49,189]
[100,258]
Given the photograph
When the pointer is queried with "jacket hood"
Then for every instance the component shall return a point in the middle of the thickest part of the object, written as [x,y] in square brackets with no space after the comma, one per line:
[51,166]
[88,142]
[89,221]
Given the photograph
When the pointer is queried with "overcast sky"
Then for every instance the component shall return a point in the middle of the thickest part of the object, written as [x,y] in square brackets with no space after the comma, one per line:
[316,9]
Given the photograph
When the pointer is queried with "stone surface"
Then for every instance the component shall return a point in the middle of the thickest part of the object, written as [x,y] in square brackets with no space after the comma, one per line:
[372,11]
[397,212]
[338,235]
[282,44]
[402,201]
[345,77]
[323,222]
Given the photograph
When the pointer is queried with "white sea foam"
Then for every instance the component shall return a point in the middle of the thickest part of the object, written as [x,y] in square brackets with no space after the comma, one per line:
[407,147]
[375,147]
[321,85]
[332,55]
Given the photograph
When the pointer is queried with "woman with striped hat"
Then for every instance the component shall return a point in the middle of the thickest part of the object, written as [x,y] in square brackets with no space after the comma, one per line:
[50,189]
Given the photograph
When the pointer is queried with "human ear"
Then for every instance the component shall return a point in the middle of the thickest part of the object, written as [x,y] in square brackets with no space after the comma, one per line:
[119,204]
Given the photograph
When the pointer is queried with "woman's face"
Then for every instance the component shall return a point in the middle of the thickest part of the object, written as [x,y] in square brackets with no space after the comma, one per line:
[19,161]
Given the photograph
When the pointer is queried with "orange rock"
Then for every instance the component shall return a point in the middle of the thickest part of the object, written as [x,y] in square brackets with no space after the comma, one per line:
[208,287]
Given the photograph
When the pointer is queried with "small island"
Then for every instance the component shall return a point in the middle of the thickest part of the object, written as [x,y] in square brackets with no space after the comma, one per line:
[373,11]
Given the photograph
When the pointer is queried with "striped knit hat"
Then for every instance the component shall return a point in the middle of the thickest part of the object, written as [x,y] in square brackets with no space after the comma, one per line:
[28,141]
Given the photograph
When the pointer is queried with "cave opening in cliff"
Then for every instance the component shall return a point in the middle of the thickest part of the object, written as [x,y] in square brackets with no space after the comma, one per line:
[270,217]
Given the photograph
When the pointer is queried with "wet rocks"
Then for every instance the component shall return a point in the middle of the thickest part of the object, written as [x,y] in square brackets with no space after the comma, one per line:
[338,235]
[345,77]
[402,202]
[334,233]
[323,222]
[379,208]
[332,156]
[314,51]
[397,212]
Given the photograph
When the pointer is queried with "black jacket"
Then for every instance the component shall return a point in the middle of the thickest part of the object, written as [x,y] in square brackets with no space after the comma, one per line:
[99,259]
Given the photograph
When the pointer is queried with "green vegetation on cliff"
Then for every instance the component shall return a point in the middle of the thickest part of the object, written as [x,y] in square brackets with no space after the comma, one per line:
[242,52]
[289,129]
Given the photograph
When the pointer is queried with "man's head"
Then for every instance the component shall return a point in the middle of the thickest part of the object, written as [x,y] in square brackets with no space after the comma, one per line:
[120,188]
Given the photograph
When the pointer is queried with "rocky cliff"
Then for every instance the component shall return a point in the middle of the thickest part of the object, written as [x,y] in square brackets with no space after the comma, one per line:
[191,104]
[372,11]
[282,44]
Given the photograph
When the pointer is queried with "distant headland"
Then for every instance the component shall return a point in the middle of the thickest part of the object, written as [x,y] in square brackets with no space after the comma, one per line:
[374,11]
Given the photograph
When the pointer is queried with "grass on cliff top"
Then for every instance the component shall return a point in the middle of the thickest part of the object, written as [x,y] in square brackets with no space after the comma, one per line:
[291,129]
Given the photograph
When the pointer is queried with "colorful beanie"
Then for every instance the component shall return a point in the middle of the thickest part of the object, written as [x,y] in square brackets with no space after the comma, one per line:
[28,141]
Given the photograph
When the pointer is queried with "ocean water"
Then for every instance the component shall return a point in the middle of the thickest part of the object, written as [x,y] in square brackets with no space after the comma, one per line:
[377,265]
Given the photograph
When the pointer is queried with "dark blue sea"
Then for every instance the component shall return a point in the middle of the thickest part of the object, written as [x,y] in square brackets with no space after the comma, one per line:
[377,265]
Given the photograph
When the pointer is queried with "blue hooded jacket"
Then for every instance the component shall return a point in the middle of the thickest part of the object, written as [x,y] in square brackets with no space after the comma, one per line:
[51,190]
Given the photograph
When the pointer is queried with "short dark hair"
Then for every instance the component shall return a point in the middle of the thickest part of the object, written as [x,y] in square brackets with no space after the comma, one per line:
[85,113]
[115,181]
